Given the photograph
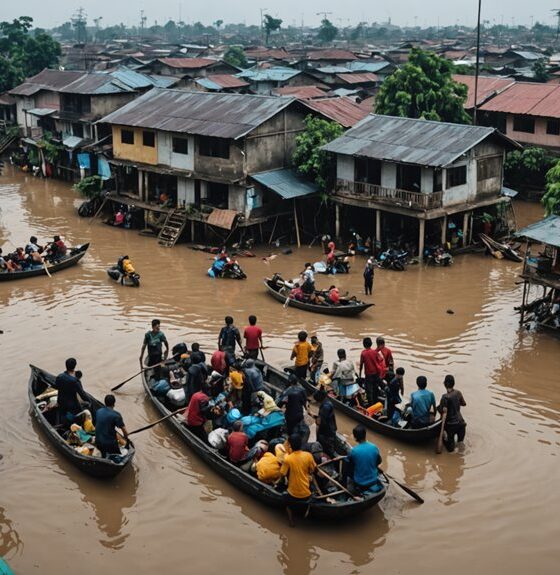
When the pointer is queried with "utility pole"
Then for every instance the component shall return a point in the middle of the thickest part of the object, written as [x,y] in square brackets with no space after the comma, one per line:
[557,14]
[325,14]
[262,24]
[477,70]
[96,22]
[142,23]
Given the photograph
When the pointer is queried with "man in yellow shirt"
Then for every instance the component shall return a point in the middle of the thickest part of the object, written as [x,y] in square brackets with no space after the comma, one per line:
[268,468]
[298,467]
[301,352]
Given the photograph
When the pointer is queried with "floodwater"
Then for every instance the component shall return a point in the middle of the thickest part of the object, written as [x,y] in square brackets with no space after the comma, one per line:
[491,508]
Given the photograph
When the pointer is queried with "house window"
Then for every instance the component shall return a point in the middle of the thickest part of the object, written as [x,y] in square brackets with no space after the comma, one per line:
[127,137]
[213,147]
[180,146]
[456,176]
[487,168]
[367,170]
[409,177]
[524,124]
[148,139]
[438,180]
[553,127]
[78,130]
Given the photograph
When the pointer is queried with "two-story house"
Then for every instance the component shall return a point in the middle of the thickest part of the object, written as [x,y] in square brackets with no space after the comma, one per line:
[417,181]
[206,152]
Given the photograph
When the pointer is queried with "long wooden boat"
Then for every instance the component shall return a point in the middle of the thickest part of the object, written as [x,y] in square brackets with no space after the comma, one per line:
[39,382]
[421,435]
[493,246]
[72,258]
[346,308]
[249,483]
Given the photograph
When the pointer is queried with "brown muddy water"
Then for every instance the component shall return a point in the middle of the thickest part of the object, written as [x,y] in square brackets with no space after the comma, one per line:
[492,508]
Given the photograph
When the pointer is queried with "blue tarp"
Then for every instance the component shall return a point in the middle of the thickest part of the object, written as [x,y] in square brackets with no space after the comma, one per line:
[84,161]
[252,424]
[103,168]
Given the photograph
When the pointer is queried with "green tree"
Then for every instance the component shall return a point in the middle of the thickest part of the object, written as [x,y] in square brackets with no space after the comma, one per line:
[540,72]
[308,158]
[527,167]
[551,199]
[327,31]
[270,24]
[236,57]
[423,88]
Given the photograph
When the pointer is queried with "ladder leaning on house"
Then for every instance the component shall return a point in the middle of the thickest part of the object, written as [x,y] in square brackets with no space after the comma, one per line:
[173,227]
[5,142]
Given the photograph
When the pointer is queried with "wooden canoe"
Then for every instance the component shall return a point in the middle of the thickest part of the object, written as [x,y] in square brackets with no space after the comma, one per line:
[249,483]
[507,251]
[347,308]
[99,467]
[421,435]
[72,258]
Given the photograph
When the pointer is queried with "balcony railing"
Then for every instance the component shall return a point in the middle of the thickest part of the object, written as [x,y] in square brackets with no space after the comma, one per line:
[404,198]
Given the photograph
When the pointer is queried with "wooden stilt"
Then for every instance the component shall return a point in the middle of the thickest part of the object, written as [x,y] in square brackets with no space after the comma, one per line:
[273,230]
[297,226]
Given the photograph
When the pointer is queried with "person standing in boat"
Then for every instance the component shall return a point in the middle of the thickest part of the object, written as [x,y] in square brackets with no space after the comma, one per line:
[423,404]
[363,462]
[154,341]
[107,421]
[371,363]
[301,353]
[253,338]
[69,389]
[294,399]
[386,353]
[317,358]
[451,402]
[326,423]
[229,336]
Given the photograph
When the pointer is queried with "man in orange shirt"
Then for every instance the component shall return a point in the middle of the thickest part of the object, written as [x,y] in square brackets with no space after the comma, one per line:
[298,467]
[302,352]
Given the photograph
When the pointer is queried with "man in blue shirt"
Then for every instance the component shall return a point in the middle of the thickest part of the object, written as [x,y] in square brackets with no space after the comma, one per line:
[363,461]
[69,388]
[423,403]
[107,420]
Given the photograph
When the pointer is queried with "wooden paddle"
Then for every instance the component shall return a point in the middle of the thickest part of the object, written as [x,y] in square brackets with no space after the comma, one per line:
[156,422]
[335,482]
[412,494]
[136,375]
[439,444]
[46,268]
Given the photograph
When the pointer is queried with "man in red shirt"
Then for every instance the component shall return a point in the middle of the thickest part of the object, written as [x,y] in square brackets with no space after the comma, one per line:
[334,295]
[374,367]
[253,338]
[237,443]
[386,353]
[218,361]
[195,414]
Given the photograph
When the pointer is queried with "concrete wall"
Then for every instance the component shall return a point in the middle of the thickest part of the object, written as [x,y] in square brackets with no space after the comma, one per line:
[167,157]
[104,104]
[136,152]
[460,194]
[539,138]
[41,100]
[236,198]
[220,168]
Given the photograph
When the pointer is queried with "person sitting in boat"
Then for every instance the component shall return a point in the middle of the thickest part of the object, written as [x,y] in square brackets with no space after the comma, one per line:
[21,259]
[12,264]
[344,376]
[326,423]
[362,464]
[423,404]
[3,263]
[33,246]
[69,389]
[333,296]
[107,421]
[296,293]
[268,466]
[57,249]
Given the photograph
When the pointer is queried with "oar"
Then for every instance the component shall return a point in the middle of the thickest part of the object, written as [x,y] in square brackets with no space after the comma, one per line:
[412,494]
[335,482]
[262,353]
[136,375]
[156,422]
[46,268]
[439,444]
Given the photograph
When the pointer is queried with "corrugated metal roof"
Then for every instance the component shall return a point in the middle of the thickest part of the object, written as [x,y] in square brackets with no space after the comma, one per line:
[187,62]
[332,54]
[356,78]
[46,80]
[285,183]
[203,113]
[528,98]
[272,74]
[96,83]
[7,100]
[488,86]
[41,112]
[301,92]
[136,80]
[72,142]
[334,70]
[410,141]
[545,231]
[342,110]
[221,81]
[373,67]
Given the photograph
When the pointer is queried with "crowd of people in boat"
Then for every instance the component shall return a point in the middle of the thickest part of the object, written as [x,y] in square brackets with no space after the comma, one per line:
[33,255]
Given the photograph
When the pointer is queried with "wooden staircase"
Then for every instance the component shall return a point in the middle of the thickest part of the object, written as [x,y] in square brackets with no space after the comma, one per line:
[172,228]
[5,142]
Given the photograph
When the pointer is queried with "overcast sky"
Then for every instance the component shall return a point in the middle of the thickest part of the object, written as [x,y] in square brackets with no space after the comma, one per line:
[48,13]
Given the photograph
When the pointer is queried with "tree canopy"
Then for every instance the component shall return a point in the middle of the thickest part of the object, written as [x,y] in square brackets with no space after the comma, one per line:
[270,25]
[236,57]
[23,54]
[423,88]
[327,31]
[309,160]
[551,199]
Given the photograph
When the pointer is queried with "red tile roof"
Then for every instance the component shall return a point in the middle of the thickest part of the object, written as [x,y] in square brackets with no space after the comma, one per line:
[187,62]
[488,86]
[301,92]
[342,110]
[363,78]
[227,81]
[528,98]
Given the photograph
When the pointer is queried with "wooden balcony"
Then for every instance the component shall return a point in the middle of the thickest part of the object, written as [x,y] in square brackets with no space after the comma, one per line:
[375,193]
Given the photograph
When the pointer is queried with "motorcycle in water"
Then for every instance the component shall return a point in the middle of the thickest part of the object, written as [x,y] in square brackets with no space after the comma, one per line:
[393,259]
[341,265]
[124,273]
[225,267]
[358,247]
[437,256]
